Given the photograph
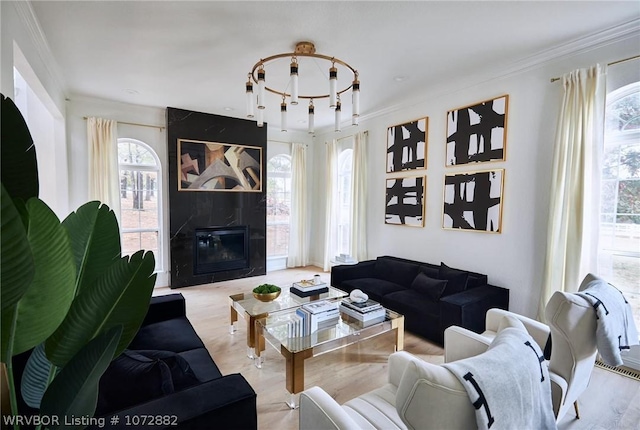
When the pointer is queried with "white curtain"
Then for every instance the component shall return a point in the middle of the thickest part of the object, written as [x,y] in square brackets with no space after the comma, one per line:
[573,214]
[298,225]
[331,214]
[104,178]
[359,198]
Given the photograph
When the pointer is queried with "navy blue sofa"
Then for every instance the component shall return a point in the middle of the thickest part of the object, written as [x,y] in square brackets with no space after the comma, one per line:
[430,297]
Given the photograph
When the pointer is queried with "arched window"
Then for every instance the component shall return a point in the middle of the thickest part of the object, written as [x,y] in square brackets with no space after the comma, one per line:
[278,205]
[345,168]
[140,198]
[619,244]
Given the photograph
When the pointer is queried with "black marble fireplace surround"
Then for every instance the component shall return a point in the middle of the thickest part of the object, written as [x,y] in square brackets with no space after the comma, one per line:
[222,211]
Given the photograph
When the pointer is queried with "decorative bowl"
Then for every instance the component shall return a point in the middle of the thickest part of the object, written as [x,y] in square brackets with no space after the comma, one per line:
[267,297]
[266,292]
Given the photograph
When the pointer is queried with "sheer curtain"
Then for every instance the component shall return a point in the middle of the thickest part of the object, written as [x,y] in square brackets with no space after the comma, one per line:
[298,246]
[104,182]
[573,214]
[331,214]
[359,197]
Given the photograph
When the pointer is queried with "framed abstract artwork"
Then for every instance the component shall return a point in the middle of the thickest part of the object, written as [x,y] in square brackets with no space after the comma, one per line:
[212,166]
[473,201]
[477,133]
[407,146]
[405,201]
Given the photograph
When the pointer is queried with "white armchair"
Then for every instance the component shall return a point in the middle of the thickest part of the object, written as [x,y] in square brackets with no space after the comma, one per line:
[572,326]
[400,404]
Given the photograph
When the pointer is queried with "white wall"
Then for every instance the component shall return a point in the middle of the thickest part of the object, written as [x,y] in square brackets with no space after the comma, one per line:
[513,259]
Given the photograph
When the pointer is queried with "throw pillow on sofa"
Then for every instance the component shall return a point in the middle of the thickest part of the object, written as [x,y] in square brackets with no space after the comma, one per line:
[457,279]
[138,376]
[430,287]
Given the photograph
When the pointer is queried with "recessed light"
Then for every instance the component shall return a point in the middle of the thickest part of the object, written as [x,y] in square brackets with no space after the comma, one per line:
[227,108]
[302,121]
[131,91]
[400,78]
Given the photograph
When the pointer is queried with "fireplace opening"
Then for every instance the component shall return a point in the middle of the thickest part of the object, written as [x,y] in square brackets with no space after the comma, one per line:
[218,249]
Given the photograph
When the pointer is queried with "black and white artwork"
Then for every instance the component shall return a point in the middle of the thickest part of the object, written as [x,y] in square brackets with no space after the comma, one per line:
[477,133]
[473,201]
[406,146]
[405,201]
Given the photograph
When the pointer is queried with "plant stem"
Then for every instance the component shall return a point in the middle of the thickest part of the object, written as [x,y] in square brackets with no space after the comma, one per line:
[12,386]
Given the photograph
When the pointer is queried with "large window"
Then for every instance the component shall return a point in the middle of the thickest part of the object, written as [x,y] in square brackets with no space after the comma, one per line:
[345,169]
[278,205]
[140,198]
[619,253]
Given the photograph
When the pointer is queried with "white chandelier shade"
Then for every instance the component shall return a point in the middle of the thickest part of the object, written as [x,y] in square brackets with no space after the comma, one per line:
[305,80]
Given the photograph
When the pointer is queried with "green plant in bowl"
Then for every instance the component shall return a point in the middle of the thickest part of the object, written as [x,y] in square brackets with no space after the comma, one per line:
[266,292]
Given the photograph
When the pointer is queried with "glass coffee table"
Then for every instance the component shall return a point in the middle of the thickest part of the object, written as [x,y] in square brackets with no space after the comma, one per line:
[273,330]
[252,309]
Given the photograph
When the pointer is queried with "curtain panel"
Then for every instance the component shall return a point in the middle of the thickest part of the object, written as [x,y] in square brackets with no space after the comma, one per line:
[298,222]
[359,197]
[104,182]
[572,234]
[331,214]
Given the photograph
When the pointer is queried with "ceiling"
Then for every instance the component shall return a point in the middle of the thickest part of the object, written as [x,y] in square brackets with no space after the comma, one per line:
[196,55]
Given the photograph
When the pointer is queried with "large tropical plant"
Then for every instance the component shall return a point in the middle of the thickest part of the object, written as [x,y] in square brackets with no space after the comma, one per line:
[67,293]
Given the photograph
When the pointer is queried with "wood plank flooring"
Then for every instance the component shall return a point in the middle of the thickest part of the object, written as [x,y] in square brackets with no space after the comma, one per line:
[611,402]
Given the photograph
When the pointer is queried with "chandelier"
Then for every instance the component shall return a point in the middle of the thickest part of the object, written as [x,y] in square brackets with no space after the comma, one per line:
[258,75]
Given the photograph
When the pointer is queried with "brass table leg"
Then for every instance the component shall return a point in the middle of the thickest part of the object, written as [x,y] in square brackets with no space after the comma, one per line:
[398,325]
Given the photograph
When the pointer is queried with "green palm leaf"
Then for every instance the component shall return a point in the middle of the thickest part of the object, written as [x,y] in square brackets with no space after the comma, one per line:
[45,304]
[35,377]
[120,296]
[16,259]
[95,240]
[19,168]
[74,392]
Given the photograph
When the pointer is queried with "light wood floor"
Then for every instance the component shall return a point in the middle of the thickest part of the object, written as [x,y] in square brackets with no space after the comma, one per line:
[612,401]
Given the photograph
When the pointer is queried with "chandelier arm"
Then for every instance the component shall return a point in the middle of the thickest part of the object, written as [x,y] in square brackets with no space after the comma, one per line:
[263,62]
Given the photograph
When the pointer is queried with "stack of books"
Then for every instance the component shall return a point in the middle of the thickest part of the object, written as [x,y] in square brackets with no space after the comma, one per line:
[312,317]
[367,312]
[306,288]
[345,258]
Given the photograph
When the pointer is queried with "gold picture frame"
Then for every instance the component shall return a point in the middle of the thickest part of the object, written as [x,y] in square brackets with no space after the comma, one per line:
[473,201]
[407,146]
[220,167]
[405,200]
[477,133]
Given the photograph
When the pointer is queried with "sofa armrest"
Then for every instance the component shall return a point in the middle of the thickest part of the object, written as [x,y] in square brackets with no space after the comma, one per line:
[162,308]
[229,402]
[460,343]
[344,272]
[318,410]
[468,308]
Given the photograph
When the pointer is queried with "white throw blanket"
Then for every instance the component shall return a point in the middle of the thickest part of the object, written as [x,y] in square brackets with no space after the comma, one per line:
[615,327]
[509,384]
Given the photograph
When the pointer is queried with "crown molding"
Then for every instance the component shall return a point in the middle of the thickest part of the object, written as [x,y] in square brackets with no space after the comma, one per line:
[25,11]
[575,47]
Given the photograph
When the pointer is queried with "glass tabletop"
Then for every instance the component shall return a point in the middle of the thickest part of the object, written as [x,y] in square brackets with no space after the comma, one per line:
[245,302]
[347,330]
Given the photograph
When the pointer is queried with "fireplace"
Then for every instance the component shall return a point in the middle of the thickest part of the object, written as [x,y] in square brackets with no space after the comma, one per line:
[217,249]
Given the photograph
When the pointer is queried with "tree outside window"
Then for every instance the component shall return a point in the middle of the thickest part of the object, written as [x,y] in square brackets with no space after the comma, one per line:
[278,205]
[140,200]
[619,253]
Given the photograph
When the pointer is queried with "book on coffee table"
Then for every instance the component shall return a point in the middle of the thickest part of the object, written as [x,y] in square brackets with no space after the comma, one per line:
[362,307]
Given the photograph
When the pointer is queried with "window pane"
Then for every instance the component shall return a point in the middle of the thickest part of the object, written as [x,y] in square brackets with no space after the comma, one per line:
[278,205]
[130,243]
[149,241]
[277,239]
[132,153]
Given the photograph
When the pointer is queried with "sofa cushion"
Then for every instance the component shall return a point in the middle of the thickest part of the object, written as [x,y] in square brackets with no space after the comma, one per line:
[131,379]
[398,272]
[412,304]
[430,287]
[182,375]
[457,279]
[175,335]
[431,271]
[375,288]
